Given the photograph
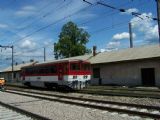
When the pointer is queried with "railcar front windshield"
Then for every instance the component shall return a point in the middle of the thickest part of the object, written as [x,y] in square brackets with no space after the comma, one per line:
[86,67]
[79,66]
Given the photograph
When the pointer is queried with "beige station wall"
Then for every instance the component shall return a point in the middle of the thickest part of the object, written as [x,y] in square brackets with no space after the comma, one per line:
[8,76]
[126,73]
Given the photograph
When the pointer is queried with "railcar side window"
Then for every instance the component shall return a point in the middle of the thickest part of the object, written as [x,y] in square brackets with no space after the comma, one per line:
[75,66]
[29,71]
[65,68]
[53,69]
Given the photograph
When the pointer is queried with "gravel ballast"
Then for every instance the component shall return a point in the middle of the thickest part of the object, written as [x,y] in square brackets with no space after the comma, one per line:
[132,100]
[61,111]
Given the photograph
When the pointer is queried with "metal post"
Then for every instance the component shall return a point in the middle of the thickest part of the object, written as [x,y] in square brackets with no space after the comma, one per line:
[158,17]
[44,54]
[130,35]
[12,59]
[12,64]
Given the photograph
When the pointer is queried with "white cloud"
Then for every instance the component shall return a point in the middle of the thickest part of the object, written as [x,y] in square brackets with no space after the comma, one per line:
[113,45]
[146,27]
[102,50]
[26,44]
[124,35]
[29,8]
[129,11]
[70,11]
[26,11]
[3,26]
[84,27]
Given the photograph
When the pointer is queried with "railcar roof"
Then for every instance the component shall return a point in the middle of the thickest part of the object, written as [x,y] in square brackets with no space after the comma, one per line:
[76,58]
[61,60]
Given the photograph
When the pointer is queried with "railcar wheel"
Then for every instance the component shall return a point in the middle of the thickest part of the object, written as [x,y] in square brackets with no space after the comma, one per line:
[27,84]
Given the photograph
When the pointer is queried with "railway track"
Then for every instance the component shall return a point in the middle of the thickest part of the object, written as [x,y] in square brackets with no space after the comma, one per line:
[131,92]
[6,114]
[131,109]
[9,112]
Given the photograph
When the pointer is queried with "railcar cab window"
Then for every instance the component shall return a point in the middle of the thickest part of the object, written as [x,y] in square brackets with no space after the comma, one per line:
[75,66]
[86,67]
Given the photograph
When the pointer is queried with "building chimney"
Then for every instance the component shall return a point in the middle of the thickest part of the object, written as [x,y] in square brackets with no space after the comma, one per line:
[94,50]
[16,63]
[130,35]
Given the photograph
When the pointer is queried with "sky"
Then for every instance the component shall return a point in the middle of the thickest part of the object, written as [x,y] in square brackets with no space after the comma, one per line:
[32,25]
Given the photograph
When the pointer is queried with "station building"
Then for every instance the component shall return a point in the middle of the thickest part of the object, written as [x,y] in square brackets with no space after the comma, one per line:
[138,66]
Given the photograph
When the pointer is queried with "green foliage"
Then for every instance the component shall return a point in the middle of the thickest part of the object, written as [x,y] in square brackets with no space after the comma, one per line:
[72,41]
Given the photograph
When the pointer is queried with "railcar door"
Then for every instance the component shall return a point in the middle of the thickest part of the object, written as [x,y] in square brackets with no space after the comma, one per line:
[60,71]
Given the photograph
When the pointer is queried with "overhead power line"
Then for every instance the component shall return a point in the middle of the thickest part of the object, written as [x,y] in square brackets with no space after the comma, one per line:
[40,10]
[120,9]
[53,23]
[108,13]
[137,14]
[88,2]
[44,15]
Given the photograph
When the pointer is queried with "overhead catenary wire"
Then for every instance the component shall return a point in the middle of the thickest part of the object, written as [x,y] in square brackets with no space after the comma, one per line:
[59,6]
[50,3]
[83,23]
[35,49]
[40,10]
[34,32]
[115,26]
[124,10]
[53,23]
[103,29]
[119,9]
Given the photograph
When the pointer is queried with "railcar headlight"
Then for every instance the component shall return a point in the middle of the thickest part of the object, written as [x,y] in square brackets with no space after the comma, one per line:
[75,77]
[85,76]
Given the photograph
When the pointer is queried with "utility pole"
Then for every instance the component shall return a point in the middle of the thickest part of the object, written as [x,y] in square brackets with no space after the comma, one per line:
[158,17]
[12,64]
[44,54]
[130,35]
[12,58]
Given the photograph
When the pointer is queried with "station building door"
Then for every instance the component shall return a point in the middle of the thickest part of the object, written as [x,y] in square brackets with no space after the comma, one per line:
[148,76]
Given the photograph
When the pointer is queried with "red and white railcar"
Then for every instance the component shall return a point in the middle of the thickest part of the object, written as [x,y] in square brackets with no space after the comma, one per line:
[75,74]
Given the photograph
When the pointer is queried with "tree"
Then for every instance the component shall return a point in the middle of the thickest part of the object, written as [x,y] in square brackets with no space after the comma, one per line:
[72,41]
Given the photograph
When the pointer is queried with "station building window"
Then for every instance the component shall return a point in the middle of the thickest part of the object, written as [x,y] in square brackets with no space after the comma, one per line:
[96,72]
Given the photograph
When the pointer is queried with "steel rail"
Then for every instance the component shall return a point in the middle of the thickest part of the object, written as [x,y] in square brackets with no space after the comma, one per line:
[92,100]
[116,93]
[24,112]
[113,93]
[44,97]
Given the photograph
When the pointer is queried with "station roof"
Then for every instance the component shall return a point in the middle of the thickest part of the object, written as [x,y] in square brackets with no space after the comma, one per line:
[17,67]
[137,53]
